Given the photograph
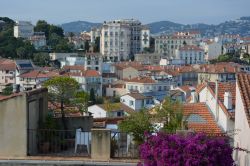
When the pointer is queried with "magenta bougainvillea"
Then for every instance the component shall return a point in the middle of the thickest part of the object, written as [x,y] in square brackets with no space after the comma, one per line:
[191,150]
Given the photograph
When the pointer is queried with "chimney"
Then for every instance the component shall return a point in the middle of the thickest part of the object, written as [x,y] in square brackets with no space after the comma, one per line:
[224,69]
[228,100]
[193,95]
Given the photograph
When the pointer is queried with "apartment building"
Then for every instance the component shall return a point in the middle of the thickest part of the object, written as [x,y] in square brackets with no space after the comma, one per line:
[148,58]
[7,73]
[167,44]
[38,40]
[121,39]
[190,54]
[23,29]
[211,49]
[94,33]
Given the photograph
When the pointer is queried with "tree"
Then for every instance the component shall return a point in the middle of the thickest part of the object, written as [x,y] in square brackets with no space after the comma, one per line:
[7,91]
[109,106]
[61,90]
[42,26]
[81,101]
[41,59]
[97,44]
[21,52]
[86,46]
[170,113]
[92,97]
[137,124]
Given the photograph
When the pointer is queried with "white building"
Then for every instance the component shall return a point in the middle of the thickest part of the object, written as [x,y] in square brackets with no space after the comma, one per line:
[211,49]
[137,101]
[23,29]
[61,56]
[7,73]
[38,40]
[145,85]
[94,33]
[88,79]
[242,120]
[145,38]
[190,54]
[121,39]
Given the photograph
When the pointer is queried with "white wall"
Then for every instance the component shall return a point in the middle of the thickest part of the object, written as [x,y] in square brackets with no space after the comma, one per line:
[242,138]
[223,120]
[97,112]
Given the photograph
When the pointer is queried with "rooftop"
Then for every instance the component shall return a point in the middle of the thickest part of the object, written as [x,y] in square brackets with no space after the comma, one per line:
[200,119]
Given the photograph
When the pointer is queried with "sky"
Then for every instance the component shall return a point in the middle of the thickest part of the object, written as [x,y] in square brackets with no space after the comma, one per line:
[147,11]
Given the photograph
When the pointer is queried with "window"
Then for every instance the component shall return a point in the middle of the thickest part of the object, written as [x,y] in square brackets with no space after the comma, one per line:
[106,33]
[96,63]
[131,103]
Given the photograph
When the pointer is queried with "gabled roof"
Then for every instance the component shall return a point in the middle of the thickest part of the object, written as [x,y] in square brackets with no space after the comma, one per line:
[75,67]
[200,119]
[146,80]
[118,107]
[243,81]
[222,88]
[138,96]
[124,65]
[7,64]
[39,74]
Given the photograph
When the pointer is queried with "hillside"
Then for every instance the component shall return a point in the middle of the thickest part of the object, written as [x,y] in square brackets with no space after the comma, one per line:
[79,26]
[240,26]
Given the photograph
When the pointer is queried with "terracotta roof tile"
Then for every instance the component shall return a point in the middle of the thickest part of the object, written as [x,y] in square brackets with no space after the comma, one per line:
[39,74]
[207,123]
[190,48]
[146,80]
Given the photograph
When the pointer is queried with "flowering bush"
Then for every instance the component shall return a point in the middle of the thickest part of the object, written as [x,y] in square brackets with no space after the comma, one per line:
[191,150]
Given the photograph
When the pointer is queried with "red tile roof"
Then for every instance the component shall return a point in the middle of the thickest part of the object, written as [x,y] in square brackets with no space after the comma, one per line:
[185,88]
[91,73]
[124,65]
[7,64]
[223,67]
[208,125]
[39,74]
[243,81]
[75,67]
[222,88]
[190,48]
[146,80]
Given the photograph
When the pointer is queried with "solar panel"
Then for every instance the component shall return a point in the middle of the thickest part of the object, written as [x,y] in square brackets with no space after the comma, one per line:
[196,119]
[25,65]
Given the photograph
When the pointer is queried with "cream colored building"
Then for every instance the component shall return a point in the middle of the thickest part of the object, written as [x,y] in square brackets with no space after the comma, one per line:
[167,44]
[23,29]
[190,54]
[121,39]
[148,58]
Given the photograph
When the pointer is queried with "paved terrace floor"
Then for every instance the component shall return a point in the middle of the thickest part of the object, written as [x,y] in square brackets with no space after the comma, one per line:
[64,161]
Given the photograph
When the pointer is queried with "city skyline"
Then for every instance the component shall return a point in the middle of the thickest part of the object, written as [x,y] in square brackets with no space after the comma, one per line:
[187,12]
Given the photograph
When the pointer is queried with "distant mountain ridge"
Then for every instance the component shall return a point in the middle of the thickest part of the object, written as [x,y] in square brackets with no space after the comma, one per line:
[79,26]
[240,26]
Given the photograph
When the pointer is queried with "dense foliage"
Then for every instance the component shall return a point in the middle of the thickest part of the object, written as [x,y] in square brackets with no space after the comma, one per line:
[231,58]
[54,36]
[191,150]
[61,91]
[11,47]
[136,124]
